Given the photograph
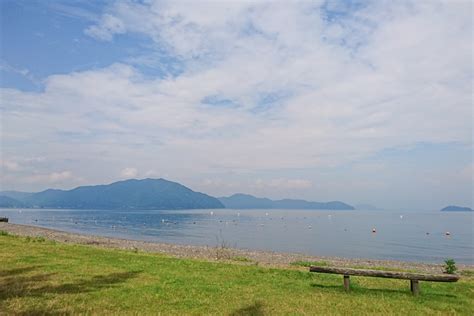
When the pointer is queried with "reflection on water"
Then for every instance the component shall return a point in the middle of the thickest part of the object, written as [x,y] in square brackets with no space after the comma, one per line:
[416,236]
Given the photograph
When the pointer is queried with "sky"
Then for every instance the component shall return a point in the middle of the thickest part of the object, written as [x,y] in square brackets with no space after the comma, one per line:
[358,101]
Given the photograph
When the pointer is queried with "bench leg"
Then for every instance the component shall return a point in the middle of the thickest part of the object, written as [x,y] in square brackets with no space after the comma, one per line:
[347,283]
[415,287]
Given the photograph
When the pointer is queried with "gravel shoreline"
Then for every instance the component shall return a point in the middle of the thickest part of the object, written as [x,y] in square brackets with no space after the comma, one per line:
[263,258]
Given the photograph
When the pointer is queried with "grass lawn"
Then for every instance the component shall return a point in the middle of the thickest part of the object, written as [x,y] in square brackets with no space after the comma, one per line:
[38,276]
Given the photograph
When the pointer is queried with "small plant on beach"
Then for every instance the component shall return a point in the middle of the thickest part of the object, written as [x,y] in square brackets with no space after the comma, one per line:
[450,266]
[4,233]
[223,249]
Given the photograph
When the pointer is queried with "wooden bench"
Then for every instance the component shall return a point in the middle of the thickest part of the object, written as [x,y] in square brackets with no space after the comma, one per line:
[413,277]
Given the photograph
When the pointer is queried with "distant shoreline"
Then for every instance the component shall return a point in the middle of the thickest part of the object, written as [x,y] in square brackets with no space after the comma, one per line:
[264,258]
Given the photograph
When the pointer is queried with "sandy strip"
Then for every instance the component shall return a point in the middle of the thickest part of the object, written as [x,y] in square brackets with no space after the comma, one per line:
[263,258]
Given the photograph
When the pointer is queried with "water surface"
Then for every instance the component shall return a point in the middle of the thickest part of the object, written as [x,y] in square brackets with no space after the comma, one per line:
[408,236]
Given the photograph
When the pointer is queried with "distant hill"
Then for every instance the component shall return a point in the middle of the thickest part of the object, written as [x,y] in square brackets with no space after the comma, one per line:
[454,208]
[128,194]
[246,201]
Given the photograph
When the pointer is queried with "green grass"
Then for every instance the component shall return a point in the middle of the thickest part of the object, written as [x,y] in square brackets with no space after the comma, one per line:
[55,278]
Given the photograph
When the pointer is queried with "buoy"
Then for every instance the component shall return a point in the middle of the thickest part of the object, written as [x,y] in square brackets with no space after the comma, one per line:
[374,230]
[309,227]
[427,233]
[401,216]
[162,220]
[212,213]
[266,214]
[448,234]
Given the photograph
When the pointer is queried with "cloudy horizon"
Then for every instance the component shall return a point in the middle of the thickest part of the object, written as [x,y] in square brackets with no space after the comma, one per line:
[357,101]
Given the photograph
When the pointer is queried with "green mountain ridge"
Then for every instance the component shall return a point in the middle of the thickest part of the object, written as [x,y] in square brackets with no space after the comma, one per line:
[127,194]
[246,201]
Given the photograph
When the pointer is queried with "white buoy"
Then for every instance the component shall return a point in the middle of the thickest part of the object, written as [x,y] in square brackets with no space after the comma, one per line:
[212,213]
[374,230]
[266,214]
[309,227]
[162,220]
[448,234]
[401,216]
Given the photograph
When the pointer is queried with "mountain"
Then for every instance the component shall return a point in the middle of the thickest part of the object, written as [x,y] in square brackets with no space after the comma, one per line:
[7,202]
[245,201]
[128,194]
[454,208]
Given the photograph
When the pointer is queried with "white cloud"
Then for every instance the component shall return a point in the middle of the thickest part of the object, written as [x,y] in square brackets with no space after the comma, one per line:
[9,165]
[57,177]
[300,91]
[109,25]
[129,173]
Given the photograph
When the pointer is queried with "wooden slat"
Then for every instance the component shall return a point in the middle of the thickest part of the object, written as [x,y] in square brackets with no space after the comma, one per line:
[387,274]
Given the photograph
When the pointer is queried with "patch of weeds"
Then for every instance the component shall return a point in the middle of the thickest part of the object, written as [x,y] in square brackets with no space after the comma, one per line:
[35,239]
[241,259]
[223,249]
[4,233]
[307,264]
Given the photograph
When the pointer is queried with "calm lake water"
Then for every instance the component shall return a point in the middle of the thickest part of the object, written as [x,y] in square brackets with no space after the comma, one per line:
[408,236]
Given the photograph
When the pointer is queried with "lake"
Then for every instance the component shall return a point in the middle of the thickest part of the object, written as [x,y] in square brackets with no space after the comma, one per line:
[407,236]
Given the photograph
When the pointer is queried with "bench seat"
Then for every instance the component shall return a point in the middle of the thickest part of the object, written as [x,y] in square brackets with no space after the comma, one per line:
[413,277]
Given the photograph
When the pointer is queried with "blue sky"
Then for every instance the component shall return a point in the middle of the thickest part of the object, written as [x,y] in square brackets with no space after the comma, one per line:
[359,101]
